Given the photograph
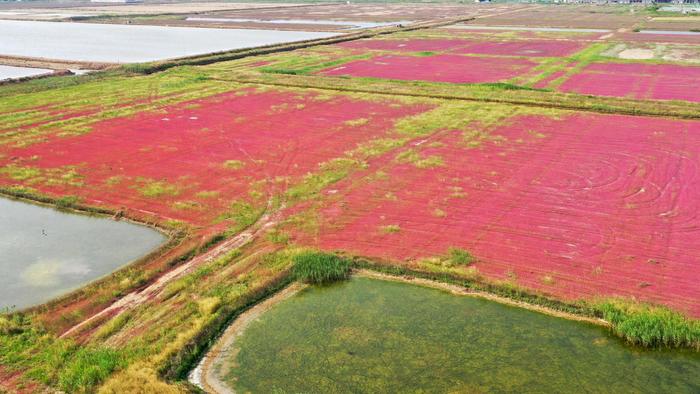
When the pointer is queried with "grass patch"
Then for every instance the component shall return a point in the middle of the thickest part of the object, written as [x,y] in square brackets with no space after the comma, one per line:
[67,201]
[186,205]
[158,189]
[19,173]
[234,164]
[55,362]
[87,368]
[431,161]
[320,268]
[509,86]
[413,157]
[278,237]
[208,194]
[650,326]
[329,172]
[390,228]
[357,122]
[460,256]
[243,214]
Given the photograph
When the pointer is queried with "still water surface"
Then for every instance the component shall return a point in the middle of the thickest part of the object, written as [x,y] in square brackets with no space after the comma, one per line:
[45,253]
[130,43]
[367,335]
[12,72]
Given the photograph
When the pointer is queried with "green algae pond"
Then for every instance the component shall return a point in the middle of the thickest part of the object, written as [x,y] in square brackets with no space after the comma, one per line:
[368,335]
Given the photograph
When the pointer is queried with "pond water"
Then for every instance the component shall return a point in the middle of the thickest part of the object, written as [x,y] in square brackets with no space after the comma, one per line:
[47,253]
[366,335]
[130,43]
[12,72]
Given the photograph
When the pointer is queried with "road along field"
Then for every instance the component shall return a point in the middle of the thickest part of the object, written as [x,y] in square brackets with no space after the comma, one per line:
[495,179]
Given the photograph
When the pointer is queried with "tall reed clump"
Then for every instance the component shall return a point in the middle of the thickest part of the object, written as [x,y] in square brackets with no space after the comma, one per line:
[650,326]
[320,268]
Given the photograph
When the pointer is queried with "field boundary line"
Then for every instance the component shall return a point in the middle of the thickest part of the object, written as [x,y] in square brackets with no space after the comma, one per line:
[592,108]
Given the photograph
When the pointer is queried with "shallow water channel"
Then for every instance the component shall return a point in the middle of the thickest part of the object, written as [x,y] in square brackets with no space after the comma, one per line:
[366,335]
[45,253]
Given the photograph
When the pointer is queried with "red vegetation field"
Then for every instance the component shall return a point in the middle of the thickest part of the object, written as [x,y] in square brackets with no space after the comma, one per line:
[439,68]
[641,81]
[191,160]
[535,48]
[581,206]
[413,45]
[666,38]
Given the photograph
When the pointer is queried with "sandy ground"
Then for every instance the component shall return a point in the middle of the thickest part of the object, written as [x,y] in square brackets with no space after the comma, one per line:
[636,53]
[668,52]
[18,61]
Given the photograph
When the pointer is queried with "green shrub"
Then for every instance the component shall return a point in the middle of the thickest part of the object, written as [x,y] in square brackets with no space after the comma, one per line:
[11,325]
[461,257]
[390,228]
[650,326]
[67,201]
[137,68]
[87,368]
[319,267]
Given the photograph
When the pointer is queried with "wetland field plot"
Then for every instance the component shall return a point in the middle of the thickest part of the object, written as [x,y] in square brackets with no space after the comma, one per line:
[542,179]
[575,205]
[191,160]
[640,81]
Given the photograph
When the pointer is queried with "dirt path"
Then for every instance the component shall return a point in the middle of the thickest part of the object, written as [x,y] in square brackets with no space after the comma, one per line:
[137,298]
[19,61]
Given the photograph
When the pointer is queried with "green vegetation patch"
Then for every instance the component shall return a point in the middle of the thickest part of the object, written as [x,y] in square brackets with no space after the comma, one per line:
[311,61]
[650,326]
[234,164]
[461,257]
[413,157]
[243,213]
[320,268]
[60,363]
[153,188]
